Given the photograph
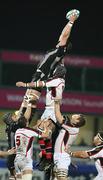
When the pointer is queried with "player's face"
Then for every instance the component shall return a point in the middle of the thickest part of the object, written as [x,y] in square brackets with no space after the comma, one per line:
[75,119]
[14,117]
[96,140]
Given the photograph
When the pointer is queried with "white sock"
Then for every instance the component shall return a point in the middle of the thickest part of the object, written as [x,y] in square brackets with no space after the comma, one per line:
[27,177]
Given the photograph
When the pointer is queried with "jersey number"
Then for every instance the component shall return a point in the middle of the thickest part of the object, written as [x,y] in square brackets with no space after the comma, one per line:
[18,140]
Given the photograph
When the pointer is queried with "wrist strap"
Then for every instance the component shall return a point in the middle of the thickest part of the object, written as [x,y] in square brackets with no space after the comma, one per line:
[70,23]
[71,153]
[26,84]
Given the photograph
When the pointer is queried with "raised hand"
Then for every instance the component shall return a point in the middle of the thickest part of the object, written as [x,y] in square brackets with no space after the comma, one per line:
[12,151]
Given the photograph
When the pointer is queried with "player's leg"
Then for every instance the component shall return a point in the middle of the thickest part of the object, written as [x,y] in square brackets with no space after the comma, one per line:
[61,164]
[18,176]
[17,169]
[10,165]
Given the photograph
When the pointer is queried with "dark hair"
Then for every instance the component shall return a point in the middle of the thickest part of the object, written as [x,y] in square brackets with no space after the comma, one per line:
[7,118]
[60,71]
[22,122]
[82,121]
[101,134]
[68,47]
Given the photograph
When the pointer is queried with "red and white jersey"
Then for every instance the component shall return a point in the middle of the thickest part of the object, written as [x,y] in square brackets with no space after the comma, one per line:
[97,154]
[24,141]
[55,88]
[66,138]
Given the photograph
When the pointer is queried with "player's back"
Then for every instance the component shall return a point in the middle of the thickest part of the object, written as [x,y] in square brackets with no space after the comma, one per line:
[66,138]
[24,141]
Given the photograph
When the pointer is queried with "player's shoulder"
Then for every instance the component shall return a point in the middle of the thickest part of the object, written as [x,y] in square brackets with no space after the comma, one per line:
[95,150]
[99,148]
[51,50]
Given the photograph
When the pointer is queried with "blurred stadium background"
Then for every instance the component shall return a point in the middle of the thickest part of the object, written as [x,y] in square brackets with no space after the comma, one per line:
[25,35]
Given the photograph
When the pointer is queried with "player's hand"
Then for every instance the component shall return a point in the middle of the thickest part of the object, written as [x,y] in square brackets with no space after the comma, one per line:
[73,18]
[73,15]
[12,151]
[20,84]
[67,150]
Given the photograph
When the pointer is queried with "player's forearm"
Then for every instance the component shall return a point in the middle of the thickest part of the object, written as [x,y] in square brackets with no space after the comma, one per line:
[58,114]
[4,153]
[79,154]
[65,34]
[27,113]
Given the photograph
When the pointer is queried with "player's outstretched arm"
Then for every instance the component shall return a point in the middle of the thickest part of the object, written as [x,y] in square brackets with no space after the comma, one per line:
[72,17]
[58,114]
[78,154]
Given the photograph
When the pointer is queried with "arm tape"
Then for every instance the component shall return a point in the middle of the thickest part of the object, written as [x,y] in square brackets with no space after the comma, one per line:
[44,84]
[38,85]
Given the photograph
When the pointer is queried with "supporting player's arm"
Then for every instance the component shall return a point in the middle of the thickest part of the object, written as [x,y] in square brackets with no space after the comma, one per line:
[58,114]
[7,153]
[78,154]
[27,113]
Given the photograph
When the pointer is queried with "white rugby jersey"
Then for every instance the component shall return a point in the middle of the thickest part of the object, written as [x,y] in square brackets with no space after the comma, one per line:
[55,88]
[66,138]
[97,154]
[24,141]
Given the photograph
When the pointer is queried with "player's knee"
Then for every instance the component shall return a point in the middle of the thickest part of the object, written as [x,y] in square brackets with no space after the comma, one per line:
[62,174]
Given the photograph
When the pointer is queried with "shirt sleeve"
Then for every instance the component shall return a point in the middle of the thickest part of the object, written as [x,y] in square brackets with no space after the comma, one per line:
[53,83]
[94,153]
[61,51]
[34,133]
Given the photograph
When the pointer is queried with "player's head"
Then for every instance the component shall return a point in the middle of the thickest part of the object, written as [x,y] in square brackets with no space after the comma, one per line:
[78,120]
[22,122]
[7,118]
[98,139]
[60,71]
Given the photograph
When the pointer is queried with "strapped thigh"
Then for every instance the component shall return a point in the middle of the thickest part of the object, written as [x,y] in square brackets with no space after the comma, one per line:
[27,177]
[62,173]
